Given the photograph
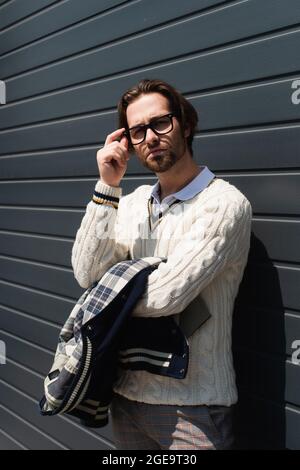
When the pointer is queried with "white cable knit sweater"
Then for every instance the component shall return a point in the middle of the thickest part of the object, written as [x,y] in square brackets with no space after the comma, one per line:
[206,242]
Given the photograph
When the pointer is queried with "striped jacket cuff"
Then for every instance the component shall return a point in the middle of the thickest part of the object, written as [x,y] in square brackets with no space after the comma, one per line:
[105,194]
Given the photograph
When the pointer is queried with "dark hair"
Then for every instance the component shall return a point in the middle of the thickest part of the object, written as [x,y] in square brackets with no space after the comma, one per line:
[179,106]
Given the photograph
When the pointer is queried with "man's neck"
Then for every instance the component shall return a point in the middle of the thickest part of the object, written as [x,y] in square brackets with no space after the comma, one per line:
[181,174]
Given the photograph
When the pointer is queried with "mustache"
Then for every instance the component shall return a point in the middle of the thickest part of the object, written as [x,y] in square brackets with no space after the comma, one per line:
[156,149]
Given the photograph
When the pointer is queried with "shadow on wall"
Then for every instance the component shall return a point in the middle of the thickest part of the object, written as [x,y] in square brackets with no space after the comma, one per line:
[259,352]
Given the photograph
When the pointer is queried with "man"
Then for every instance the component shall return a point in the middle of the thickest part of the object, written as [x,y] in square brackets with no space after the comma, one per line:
[202,225]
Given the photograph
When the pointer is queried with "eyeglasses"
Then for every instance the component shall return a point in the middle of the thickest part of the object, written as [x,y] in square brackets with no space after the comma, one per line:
[160,126]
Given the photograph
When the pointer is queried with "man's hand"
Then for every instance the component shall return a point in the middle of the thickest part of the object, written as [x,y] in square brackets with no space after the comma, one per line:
[113,157]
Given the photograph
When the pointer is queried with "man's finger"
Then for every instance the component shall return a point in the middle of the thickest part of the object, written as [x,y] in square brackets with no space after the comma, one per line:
[114,136]
[124,142]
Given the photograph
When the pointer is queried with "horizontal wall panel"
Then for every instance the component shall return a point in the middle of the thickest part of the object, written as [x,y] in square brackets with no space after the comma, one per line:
[56,427]
[66,222]
[50,193]
[255,336]
[19,429]
[249,149]
[36,359]
[30,329]
[293,428]
[292,331]
[280,237]
[242,106]
[252,60]
[219,68]
[36,303]
[269,377]
[58,134]
[239,106]
[60,16]
[98,30]
[8,443]
[44,221]
[253,105]
[262,191]
[270,287]
[62,281]
[18,9]
[289,282]
[55,251]
[265,422]
[48,278]
[33,386]
[261,149]
[251,329]
[293,383]
[37,248]
[252,332]
[28,356]
[75,162]
[262,375]
[143,48]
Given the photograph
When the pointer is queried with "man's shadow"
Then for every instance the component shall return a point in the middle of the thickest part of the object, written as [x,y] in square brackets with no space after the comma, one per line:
[259,351]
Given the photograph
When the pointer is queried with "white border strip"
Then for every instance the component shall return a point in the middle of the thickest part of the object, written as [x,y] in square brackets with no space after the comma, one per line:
[2,92]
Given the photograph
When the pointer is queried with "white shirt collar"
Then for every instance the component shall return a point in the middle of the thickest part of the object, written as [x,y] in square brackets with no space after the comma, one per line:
[200,182]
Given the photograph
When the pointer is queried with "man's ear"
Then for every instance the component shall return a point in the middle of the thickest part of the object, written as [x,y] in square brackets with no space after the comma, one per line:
[187,131]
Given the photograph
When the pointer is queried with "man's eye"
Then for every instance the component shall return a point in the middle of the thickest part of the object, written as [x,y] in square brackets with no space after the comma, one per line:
[161,124]
[137,132]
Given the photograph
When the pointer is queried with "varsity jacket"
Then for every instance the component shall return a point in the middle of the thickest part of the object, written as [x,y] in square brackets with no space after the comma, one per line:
[99,339]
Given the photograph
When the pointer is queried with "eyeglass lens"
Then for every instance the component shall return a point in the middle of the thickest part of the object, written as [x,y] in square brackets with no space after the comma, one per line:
[161,125]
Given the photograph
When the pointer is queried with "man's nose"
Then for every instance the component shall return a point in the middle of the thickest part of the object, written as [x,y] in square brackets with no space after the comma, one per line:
[151,136]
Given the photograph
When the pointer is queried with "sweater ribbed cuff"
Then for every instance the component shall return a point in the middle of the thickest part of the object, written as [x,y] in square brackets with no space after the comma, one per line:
[105,194]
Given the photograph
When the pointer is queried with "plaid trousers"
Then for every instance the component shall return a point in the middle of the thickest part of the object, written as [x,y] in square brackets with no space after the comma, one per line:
[142,426]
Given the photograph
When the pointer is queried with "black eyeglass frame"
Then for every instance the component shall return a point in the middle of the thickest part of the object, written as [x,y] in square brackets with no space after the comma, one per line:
[145,127]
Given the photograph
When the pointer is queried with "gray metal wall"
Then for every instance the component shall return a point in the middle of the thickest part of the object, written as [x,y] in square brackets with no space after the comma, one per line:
[65,64]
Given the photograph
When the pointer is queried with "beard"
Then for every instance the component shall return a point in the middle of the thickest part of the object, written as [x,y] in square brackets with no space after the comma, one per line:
[161,162]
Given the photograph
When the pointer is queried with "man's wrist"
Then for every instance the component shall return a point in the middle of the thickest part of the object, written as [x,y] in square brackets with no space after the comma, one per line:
[109,184]
[106,194]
